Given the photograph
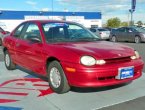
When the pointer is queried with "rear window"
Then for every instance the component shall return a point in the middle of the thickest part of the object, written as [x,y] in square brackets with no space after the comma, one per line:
[1,30]
[103,30]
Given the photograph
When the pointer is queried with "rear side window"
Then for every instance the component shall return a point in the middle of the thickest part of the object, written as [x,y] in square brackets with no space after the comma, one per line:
[18,31]
[1,30]
[121,30]
[32,31]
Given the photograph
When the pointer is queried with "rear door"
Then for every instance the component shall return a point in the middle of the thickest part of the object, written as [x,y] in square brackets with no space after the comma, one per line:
[129,34]
[120,34]
[14,38]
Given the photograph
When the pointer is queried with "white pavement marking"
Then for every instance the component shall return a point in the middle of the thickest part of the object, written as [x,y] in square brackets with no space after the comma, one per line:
[125,100]
[91,100]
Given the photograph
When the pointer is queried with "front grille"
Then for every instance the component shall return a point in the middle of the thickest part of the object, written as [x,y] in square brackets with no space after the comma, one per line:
[117,60]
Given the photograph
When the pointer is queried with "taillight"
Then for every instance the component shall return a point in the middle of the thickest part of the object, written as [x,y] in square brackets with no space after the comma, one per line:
[3,32]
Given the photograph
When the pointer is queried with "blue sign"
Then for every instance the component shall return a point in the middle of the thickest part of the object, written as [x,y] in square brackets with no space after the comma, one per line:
[133,4]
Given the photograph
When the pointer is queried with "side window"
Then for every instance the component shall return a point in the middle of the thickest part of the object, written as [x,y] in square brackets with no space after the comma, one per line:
[32,31]
[18,31]
[121,30]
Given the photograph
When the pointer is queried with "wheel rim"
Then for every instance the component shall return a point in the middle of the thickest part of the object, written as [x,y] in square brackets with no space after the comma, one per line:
[55,77]
[7,60]
[136,39]
[113,39]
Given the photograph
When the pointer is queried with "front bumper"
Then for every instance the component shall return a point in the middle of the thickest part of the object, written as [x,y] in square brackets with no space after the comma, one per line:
[100,76]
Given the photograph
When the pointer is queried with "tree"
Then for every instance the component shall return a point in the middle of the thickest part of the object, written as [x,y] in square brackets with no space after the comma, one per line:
[124,24]
[113,22]
[139,23]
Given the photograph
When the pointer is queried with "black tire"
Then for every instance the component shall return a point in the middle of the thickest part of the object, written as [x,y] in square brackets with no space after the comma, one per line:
[137,39]
[8,61]
[54,77]
[113,39]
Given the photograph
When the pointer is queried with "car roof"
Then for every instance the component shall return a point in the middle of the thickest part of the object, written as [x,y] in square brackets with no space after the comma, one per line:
[46,21]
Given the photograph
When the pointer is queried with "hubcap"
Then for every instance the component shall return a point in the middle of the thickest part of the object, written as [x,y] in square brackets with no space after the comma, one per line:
[55,77]
[7,60]
[136,39]
[113,39]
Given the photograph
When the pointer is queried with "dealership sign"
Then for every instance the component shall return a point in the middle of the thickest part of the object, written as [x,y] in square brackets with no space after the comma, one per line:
[133,5]
[44,17]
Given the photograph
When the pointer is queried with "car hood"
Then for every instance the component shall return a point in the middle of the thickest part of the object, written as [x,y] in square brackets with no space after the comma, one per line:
[100,49]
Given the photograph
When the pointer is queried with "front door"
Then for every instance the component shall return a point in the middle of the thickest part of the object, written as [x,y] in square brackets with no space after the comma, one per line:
[28,52]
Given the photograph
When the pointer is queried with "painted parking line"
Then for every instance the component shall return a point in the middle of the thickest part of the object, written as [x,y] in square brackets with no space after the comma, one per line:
[131,97]
[73,100]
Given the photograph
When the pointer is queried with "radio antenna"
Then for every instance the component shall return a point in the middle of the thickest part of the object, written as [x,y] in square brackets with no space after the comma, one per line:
[52,8]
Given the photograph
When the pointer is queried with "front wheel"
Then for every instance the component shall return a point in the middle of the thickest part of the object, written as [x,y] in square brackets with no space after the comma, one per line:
[57,78]
[8,61]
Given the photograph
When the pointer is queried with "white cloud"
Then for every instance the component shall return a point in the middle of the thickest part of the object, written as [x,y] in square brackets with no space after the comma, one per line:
[95,5]
[45,9]
[31,3]
[108,8]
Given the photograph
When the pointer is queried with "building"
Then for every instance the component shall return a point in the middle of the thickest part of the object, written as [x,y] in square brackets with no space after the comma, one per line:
[10,19]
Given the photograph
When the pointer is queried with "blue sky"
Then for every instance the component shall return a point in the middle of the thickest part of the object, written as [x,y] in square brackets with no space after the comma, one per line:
[109,8]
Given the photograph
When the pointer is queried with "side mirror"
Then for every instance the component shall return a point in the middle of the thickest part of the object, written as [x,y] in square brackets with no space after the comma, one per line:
[129,30]
[93,30]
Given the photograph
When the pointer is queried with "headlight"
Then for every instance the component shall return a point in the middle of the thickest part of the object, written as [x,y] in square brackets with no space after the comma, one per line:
[136,56]
[88,61]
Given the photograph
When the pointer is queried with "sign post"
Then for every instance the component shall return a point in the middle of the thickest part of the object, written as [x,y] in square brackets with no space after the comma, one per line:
[133,5]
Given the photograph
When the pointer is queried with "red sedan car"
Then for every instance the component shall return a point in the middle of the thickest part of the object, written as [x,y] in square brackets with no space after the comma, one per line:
[70,55]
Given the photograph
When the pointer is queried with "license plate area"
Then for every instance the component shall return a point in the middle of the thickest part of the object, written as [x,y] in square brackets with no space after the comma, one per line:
[126,72]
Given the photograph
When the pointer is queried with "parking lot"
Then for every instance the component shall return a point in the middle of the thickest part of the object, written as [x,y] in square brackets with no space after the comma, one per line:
[22,89]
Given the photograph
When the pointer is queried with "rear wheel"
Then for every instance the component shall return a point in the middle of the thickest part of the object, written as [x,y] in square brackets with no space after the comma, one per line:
[113,39]
[57,78]
[137,39]
[8,61]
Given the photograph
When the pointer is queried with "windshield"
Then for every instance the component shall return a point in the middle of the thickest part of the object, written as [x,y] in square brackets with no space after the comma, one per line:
[67,32]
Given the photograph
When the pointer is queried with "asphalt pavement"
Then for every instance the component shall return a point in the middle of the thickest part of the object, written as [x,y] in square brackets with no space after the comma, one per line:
[134,104]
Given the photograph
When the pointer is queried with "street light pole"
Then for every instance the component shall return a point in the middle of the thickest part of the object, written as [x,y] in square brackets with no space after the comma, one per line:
[131,13]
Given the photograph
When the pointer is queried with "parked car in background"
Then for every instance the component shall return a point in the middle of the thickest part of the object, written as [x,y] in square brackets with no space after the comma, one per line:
[103,33]
[130,34]
[3,33]
[68,54]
